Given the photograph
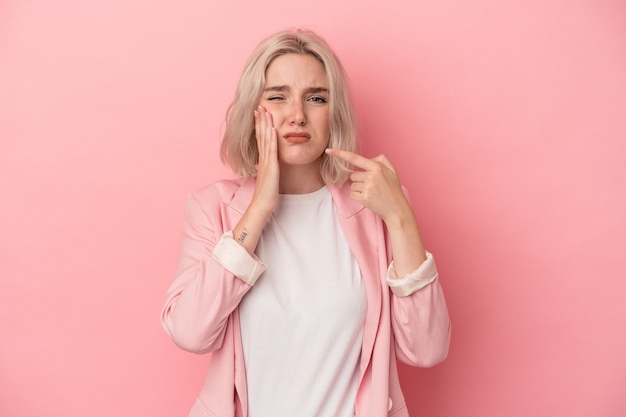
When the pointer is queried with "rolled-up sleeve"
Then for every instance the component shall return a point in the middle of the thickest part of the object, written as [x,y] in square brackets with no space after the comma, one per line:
[235,258]
[404,286]
[419,319]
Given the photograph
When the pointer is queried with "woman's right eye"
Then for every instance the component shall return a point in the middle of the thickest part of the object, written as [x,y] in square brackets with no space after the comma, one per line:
[274,98]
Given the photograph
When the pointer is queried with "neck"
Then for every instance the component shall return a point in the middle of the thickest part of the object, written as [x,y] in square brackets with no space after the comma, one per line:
[300,179]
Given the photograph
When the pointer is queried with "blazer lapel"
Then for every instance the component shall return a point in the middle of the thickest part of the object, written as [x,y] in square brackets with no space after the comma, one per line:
[242,198]
[361,228]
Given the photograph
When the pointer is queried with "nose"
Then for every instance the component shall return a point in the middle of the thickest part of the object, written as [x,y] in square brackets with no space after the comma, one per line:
[297,116]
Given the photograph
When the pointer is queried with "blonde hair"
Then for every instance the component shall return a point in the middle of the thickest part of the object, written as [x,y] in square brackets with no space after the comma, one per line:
[239,149]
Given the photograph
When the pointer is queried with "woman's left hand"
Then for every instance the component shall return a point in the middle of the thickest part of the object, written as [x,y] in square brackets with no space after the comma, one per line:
[377,186]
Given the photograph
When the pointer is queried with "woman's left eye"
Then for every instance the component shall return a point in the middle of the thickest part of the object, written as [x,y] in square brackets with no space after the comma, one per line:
[318,99]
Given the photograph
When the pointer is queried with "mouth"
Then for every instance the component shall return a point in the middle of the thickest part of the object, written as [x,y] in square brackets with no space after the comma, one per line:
[297,137]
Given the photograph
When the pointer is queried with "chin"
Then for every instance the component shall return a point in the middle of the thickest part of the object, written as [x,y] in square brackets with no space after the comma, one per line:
[299,158]
[299,161]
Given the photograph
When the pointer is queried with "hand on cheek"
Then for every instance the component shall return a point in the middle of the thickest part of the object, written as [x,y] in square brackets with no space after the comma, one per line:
[266,192]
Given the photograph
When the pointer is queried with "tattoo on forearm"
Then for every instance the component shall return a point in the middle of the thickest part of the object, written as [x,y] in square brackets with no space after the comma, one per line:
[243,235]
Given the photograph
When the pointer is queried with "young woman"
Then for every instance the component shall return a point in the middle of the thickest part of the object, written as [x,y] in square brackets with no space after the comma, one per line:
[305,277]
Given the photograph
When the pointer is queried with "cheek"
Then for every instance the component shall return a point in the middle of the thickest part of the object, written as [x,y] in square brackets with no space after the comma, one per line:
[322,120]
[327,126]
[278,118]
[275,112]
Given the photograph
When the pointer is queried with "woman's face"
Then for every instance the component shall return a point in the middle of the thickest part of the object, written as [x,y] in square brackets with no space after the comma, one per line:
[296,95]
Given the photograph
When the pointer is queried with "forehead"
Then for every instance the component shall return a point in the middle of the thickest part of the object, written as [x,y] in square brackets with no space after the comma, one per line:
[296,69]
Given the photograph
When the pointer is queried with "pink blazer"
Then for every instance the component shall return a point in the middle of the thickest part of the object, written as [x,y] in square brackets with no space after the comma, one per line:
[201,315]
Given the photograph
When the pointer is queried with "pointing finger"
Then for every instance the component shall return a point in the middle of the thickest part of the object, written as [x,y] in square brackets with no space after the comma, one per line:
[352,158]
[385,161]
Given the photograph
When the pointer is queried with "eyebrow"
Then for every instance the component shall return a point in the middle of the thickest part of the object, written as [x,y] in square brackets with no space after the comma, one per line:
[280,88]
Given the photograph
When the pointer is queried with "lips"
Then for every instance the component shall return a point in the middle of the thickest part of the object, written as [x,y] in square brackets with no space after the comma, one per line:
[297,137]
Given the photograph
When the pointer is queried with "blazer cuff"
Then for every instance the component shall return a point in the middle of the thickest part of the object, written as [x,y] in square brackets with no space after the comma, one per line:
[414,281]
[236,259]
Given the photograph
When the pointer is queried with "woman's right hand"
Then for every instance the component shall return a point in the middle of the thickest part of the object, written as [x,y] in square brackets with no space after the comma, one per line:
[267,179]
[248,231]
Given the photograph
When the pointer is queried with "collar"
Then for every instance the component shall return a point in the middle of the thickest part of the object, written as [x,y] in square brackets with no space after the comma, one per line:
[346,206]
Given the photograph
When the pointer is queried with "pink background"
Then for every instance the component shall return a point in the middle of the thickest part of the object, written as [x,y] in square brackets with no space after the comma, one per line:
[506,121]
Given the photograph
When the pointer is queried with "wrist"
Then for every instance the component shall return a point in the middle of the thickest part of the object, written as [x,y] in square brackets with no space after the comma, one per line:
[400,218]
[260,210]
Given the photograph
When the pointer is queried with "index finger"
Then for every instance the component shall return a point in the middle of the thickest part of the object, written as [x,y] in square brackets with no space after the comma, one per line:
[352,158]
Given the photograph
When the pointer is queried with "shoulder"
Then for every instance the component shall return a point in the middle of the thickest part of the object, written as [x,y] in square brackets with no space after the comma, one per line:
[220,190]
[236,193]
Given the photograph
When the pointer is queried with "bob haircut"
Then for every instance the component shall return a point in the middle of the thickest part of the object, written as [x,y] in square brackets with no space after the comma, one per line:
[239,148]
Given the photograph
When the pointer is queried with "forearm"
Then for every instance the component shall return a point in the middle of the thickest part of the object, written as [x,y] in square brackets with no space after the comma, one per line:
[211,279]
[248,230]
[406,242]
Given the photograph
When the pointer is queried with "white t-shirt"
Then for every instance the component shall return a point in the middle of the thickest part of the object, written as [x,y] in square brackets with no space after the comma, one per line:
[302,322]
